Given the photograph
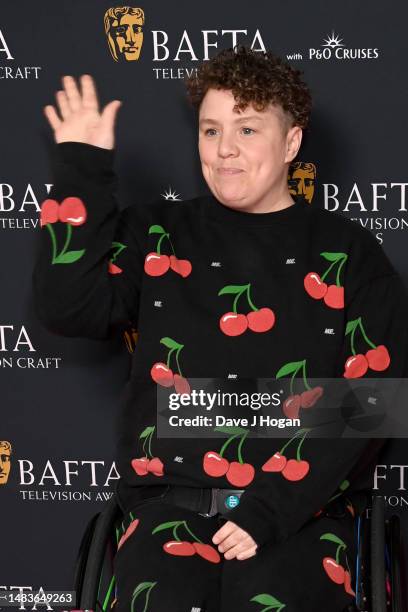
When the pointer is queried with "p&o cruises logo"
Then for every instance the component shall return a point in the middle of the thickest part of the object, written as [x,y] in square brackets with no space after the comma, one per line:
[333,48]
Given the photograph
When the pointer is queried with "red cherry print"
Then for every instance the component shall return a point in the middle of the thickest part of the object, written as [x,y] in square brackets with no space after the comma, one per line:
[128,532]
[181,266]
[347,583]
[309,398]
[155,466]
[291,406]
[155,264]
[355,366]
[72,211]
[261,320]
[334,296]
[334,571]
[208,552]
[276,463]
[233,324]
[295,470]
[214,464]
[182,549]
[114,269]
[181,384]
[162,374]
[49,212]
[378,358]
[240,474]
[140,465]
[314,285]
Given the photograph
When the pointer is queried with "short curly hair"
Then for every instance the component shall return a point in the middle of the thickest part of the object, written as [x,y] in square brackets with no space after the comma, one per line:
[255,77]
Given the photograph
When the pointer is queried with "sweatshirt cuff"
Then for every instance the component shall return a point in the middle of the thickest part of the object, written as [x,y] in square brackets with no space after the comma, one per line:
[255,518]
[89,160]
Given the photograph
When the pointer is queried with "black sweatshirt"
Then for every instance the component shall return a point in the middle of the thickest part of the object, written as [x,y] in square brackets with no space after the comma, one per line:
[216,292]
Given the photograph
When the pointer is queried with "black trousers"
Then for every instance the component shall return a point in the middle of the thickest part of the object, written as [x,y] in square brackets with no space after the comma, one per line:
[166,562]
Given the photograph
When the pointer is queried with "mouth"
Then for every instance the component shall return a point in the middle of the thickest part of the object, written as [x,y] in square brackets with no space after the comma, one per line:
[229,171]
[130,49]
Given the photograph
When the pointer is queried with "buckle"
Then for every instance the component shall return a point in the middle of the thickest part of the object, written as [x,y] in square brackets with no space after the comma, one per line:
[222,500]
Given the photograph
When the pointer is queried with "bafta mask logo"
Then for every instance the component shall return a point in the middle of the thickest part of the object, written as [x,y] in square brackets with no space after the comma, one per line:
[123,29]
[5,454]
[301,179]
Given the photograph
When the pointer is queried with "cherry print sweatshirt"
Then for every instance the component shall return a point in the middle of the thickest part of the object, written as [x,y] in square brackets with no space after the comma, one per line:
[215,292]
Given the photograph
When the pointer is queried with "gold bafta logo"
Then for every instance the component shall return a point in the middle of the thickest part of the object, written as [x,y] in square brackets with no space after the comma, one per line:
[5,455]
[301,179]
[123,29]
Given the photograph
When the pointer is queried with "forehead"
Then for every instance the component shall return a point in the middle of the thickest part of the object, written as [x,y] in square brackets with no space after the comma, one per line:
[218,105]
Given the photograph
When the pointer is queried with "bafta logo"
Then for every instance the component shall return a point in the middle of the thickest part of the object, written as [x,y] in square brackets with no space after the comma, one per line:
[5,453]
[123,29]
[301,179]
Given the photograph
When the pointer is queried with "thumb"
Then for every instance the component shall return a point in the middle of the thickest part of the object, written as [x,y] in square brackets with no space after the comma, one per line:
[110,111]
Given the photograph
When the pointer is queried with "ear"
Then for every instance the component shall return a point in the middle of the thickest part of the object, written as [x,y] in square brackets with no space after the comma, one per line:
[293,142]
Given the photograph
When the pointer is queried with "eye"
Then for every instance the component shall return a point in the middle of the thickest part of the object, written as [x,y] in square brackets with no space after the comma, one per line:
[247,128]
[209,130]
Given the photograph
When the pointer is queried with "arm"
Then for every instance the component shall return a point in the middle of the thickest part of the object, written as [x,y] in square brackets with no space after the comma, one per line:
[273,508]
[81,291]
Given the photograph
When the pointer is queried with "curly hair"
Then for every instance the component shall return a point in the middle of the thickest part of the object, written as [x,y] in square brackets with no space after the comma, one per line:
[253,77]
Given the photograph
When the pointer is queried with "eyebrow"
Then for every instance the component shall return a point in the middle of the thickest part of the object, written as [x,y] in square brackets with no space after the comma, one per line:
[239,120]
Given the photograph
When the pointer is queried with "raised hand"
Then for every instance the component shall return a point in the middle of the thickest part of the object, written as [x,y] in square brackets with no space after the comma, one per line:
[79,119]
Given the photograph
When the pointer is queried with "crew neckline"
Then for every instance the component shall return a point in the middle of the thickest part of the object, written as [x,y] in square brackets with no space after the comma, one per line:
[216,210]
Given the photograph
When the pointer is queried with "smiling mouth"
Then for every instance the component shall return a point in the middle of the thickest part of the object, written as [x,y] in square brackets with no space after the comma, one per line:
[229,170]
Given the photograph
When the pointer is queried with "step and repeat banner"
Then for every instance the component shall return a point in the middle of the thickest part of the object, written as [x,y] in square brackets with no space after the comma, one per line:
[60,395]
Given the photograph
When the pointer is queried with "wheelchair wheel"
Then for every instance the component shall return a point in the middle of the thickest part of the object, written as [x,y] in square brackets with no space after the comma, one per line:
[394,538]
[89,567]
[82,557]
[377,556]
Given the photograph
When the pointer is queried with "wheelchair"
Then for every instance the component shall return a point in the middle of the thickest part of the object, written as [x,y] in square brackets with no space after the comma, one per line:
[378,585]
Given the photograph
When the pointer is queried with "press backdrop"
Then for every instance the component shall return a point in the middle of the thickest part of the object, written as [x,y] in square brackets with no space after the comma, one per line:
[353,160]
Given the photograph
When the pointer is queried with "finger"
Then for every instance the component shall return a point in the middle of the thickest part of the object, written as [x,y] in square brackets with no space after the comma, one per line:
[72,93]
[223,532]
[63,105]
[233,540]
[247,554]
[52,116]
[109,113]
[89,95]
[239,548]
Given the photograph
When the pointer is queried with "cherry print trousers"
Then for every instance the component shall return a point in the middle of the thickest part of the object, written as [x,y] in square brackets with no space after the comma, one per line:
[166,561]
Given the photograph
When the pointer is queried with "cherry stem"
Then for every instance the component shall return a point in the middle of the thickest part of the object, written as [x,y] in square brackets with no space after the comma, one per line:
[177,361]
[108,593]
[159,243]
[67,239]
[328,270]
[364,334]
[252,305]
[338,270]
[339,548]
[190,532]
[147,597]
[304,376]
[234,304]
[298,457]
[53,240]
[239,447]
[171,244]
[228,441]
[118,250]
[293,438]
[302,365]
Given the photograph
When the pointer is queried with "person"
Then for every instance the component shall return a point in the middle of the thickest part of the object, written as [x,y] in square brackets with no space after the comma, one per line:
[244,282]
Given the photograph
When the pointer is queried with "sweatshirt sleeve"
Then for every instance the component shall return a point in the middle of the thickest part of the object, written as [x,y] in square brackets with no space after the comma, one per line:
[88,264]
[272,508]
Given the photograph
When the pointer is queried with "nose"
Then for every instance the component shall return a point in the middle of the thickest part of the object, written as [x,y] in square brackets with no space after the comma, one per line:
[130,35]
[227,146]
